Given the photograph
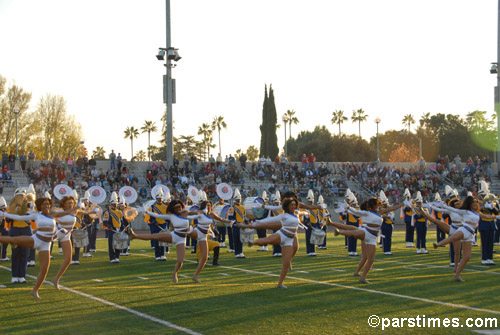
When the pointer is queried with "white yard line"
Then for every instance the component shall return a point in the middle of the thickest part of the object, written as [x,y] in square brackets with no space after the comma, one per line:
[123,308]
[436,302]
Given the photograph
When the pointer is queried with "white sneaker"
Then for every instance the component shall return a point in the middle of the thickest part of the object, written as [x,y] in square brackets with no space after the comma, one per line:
[230,250]
[163,258]
[31,263]
[311,254]
[351,253]
[387,253]
[5,259]
[158,259]
[14,280]
[75,262]
[452,264]
[355,254]
[409,244]
[419,251]
[491,262]
[276,255]
[279,254]
[114,261]
[117,260]
[424,251]
[188,247]
[240,255]
[263,248]
[22,280]
[485,262]
[60,250]
[223,245]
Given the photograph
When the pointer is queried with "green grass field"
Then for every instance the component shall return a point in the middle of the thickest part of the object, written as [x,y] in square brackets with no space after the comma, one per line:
[240,297]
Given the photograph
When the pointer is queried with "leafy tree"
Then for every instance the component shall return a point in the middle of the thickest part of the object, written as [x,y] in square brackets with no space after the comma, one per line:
[131,133]
[53,131]
[359,116]
[330,148]
[252,153]
[140,156]
[219,123]
[338,118]
[149,127]
[10,99]
[404,154]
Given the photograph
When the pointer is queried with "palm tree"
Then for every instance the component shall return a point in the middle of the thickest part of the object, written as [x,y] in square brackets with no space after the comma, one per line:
[206,130]
[359,116]
[291,119]
[99,153]
[477,120]
[149,127]
[131,133]
[408,120]
[339,118]
[219,123]
[425,119]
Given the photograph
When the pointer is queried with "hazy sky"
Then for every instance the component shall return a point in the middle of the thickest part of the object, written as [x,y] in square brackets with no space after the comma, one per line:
[389,57]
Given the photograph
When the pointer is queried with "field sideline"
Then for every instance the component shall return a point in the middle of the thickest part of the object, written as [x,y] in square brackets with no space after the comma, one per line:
[137,296]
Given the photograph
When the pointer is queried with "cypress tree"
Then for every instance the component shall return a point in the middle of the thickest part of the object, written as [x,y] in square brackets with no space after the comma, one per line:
[263,126]
[272,149]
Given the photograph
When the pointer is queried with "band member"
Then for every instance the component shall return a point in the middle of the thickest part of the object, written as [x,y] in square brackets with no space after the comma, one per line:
[122,205]
[4,230]
[42,239]
[204,228]
[387,225]
[18,205]
[487,229]
[112,222]
[420,223]
[351,220]
[470,211]
[157,225]
[440,234]
[407,214]
[311,221]
[237,213]
[178,217]
[90,221]
[223,230]
[323,214]
[370,213]
[261,233]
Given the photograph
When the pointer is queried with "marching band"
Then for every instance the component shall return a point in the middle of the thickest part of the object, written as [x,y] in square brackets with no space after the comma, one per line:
[34,223]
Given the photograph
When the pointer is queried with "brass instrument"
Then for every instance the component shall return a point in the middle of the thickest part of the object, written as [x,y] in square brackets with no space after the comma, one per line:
[130,213]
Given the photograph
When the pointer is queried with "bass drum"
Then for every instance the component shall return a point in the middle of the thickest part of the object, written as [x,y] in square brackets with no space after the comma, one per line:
[221,211]
[252,208]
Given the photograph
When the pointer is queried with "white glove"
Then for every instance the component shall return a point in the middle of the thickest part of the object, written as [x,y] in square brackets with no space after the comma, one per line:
[426,205]
[407,203]
[488,205]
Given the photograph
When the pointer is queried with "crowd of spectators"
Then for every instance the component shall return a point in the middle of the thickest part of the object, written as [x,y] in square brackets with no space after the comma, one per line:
[327,179]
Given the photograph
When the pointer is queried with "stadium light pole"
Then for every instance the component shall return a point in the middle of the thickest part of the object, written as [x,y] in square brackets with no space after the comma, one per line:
[285,121]
[168,83]
[377,121]
[494,70]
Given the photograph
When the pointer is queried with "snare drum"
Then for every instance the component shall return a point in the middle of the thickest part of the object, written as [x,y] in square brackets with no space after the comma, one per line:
[252,208]
[317,236]
[80,238]
[120,241]
[221,211]
[246,235]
